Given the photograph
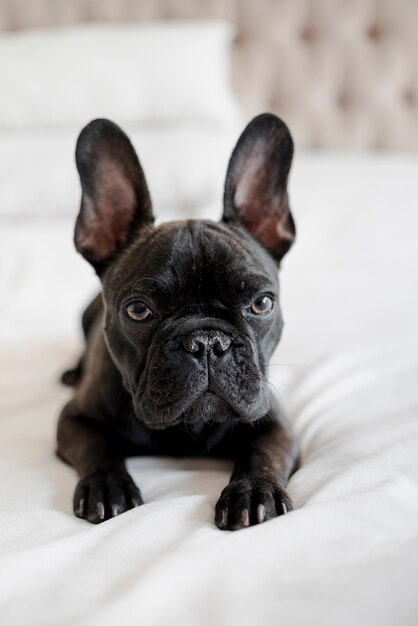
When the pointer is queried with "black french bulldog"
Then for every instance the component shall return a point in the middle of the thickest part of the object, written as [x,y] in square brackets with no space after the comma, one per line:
[178,343]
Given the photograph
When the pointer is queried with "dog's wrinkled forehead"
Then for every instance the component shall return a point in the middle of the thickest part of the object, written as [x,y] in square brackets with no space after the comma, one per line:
[195,262]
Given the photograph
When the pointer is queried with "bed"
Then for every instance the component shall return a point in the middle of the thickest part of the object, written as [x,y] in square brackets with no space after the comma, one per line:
[345,370]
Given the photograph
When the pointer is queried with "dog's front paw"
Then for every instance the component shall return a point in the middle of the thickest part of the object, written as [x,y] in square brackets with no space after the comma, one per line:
[249,501]
[105,494]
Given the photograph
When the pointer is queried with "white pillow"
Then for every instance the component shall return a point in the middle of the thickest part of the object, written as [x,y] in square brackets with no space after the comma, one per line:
[137,73]
[184,164]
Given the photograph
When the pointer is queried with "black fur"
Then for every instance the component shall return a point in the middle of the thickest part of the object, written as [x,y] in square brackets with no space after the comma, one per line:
[191,378]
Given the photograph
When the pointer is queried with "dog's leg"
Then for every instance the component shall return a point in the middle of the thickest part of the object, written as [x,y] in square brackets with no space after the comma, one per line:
[105,488]
[90,314]
[256,491]
[72,376]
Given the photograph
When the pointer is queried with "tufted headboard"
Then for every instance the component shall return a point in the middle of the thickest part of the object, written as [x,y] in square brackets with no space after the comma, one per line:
[343,73]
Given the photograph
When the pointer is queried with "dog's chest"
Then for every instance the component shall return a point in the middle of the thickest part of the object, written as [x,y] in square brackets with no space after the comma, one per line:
[199,439]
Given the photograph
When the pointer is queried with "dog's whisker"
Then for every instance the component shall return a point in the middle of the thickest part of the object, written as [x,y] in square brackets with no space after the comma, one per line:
[287,365]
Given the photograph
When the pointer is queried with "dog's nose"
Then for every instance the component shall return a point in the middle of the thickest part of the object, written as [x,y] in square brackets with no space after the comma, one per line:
[199,343]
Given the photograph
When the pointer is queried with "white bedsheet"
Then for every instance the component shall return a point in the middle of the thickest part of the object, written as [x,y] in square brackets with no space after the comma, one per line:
[347,372]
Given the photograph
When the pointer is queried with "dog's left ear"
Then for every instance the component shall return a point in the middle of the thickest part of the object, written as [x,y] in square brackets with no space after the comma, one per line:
[256,184]
[115,201]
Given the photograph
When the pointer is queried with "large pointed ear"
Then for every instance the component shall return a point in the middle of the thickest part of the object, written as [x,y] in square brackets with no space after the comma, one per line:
[256,184]
[115,202]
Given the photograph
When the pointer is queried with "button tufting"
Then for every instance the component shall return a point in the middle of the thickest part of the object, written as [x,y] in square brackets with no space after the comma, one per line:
[375,32]
[410,97]
[308,34]
[344,100]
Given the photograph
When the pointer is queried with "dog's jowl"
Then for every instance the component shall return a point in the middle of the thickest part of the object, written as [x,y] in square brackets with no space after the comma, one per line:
[178,341]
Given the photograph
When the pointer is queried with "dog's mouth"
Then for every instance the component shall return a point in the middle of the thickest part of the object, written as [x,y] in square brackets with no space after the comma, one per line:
[216,401]
[210,404]
[208,407]
[215,383]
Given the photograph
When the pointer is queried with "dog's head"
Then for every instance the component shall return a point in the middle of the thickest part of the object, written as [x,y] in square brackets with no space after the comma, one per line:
[192,309]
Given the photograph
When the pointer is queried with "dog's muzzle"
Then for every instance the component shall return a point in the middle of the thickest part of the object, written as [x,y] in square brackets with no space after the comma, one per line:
[201,369]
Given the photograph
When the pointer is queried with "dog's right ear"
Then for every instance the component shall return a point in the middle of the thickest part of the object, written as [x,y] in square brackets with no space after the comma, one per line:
[115,201]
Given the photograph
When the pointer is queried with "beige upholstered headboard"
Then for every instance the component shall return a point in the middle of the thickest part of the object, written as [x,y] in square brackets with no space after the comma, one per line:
[343,73]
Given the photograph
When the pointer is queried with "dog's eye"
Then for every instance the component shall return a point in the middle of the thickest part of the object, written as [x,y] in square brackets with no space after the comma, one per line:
[262,305]
[139,312]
